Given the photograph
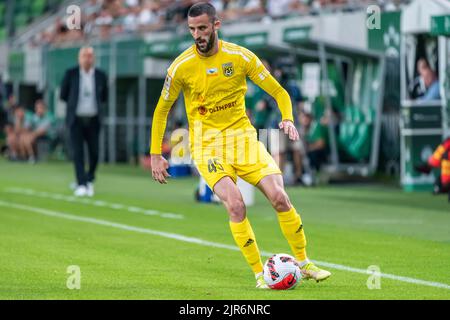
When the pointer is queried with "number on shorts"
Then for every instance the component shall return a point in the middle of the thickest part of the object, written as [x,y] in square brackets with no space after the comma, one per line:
[213,165]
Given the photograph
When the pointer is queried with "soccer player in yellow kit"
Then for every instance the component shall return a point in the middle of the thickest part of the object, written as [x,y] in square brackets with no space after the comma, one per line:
[212,75]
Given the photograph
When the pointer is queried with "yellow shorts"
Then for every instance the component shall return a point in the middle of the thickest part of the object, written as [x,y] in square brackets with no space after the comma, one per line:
[257,164]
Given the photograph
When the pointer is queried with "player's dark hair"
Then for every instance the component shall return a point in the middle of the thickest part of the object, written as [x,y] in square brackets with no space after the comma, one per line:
[201,8]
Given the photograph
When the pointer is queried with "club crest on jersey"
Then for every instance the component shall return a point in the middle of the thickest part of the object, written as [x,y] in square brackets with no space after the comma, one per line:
[228,69]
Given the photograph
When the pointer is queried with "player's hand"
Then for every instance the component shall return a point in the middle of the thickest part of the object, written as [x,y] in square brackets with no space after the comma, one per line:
[289,128]
[159,168]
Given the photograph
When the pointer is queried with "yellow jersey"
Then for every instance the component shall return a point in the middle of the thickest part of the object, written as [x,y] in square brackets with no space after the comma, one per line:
[214,90]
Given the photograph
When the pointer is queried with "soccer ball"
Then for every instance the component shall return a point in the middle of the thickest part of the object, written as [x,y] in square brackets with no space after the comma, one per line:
[281,272]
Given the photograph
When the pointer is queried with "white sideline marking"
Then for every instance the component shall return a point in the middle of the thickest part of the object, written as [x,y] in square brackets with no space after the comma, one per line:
[207,243]
[97,203]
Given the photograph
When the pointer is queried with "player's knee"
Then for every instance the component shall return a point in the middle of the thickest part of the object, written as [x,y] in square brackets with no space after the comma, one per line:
[236,209]
[280,201]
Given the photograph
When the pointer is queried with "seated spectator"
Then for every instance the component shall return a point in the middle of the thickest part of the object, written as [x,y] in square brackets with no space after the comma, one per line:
[130,20]
[39,125]
[253,7]
[428,80]
[279,8]
[300,6]
[231,10]
[8,114]
[60,30]
[132,3]
[10,107]
[104,23]
[113,7]
[178,11]
[150,17]
[8,126]
[14,132]
[314,135]
[91,7]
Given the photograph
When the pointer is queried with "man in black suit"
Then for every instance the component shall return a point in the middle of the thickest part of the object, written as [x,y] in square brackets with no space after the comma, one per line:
[85,90]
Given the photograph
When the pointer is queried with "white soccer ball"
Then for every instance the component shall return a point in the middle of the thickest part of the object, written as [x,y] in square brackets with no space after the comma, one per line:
[281,272]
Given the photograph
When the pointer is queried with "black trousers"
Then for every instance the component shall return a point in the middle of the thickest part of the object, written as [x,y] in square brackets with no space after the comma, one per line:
[317,158]
[85,129]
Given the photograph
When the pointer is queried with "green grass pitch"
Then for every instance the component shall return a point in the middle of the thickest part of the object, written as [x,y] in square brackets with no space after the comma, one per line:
[128,240]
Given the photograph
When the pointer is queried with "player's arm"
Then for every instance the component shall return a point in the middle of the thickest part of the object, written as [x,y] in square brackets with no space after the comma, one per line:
[435,159]
[262,77]
[169,94]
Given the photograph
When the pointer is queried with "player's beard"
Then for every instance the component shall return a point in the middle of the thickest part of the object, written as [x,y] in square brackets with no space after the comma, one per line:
[209,44]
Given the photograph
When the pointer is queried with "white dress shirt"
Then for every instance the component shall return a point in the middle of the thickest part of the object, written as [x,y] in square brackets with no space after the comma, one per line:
[87,105]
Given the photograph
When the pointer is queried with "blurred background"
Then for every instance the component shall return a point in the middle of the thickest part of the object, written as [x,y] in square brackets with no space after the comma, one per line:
[369,80]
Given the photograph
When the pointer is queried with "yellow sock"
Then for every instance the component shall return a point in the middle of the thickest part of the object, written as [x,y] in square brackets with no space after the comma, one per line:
[245,240]
[292,228]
